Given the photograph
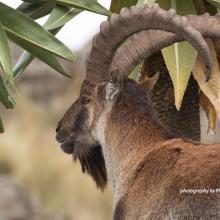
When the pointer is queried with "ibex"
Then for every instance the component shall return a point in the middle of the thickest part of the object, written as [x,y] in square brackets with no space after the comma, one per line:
[113,131]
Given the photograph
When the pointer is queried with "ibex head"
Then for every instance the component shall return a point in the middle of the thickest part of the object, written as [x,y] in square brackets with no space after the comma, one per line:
[123,42]
[75,131]
[79,130]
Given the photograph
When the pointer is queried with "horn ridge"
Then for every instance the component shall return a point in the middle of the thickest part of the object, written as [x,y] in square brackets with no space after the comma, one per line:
[132,21]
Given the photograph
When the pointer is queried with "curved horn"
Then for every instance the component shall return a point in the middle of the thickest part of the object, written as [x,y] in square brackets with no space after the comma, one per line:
[141,45]
[134,20]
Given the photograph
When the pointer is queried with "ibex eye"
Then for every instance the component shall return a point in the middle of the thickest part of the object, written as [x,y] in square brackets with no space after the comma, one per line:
[85,100]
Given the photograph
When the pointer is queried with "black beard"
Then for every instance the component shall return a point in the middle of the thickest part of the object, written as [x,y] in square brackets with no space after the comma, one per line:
[89,155]
[92,162]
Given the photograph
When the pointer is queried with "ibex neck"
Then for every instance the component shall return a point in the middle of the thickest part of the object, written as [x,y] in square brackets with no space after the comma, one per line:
[126,139]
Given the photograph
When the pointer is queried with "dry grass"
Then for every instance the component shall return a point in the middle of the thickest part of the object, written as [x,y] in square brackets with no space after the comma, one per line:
[28,149]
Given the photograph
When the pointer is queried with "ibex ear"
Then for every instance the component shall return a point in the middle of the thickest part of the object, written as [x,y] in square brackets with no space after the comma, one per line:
[114,85]
[149,83]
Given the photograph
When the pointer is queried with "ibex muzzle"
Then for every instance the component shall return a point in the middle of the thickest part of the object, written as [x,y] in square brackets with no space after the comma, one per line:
[113,131]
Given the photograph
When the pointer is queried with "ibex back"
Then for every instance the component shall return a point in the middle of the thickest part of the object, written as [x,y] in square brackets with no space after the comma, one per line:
[113,131]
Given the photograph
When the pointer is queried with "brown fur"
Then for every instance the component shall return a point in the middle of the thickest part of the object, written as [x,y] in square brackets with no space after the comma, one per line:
[146,167]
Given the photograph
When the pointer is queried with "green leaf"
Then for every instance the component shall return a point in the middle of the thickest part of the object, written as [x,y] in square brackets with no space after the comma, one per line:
[216,3]
[36,10]
[28,8]
[1,126]
[180,57]
[116,5]
[24,60]
[60,16]
[5,98]
[23,30]
[43,55]
[89,5]
[146,2]
[5,56]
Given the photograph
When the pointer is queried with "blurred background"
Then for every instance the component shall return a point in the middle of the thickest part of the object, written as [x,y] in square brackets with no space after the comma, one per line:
[30,157]
[31,161]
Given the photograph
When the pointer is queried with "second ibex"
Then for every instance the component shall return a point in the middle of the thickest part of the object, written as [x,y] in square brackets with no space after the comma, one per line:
[113,131]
